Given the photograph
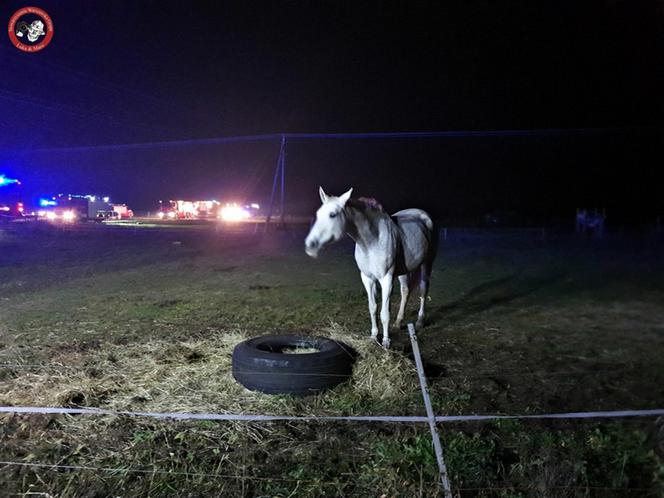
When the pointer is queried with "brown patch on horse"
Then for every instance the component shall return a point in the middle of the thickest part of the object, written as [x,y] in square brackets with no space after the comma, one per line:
[367,203]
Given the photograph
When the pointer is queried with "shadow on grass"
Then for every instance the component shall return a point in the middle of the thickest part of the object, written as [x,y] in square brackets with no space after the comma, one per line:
[494,293]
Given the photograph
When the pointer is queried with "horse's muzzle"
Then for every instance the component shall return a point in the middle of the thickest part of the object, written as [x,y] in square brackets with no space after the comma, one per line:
[312,248]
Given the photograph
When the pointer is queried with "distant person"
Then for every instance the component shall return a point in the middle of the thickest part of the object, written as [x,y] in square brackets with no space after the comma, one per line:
[590,221]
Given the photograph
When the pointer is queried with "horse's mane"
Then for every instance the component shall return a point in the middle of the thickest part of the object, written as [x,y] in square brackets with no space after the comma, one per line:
[365,204]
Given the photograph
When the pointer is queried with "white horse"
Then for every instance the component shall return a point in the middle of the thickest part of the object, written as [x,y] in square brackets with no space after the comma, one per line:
[402,245]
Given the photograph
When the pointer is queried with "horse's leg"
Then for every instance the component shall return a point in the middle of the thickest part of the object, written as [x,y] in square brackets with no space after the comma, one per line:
[425,270]
[403,282]
[370,287]
[386,288]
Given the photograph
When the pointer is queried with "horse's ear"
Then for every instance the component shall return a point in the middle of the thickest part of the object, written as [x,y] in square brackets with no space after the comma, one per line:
[323,195]
[344,197]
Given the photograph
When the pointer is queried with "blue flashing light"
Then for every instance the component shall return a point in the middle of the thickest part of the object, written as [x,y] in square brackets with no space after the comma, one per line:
[47,202]
[6,181]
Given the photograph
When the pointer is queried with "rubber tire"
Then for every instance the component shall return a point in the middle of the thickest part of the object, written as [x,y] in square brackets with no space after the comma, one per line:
[259,364]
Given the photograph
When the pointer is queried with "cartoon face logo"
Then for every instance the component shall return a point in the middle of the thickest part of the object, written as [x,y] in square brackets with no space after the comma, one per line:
[30,29]
[34,30]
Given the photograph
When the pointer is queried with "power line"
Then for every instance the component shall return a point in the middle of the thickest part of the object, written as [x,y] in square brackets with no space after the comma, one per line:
[83,113]
[544,132]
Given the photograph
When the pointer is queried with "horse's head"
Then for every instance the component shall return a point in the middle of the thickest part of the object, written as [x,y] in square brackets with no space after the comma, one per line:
[330,223]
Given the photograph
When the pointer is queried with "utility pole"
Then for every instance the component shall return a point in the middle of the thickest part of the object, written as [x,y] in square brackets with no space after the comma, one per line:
[278,171]
[282,153]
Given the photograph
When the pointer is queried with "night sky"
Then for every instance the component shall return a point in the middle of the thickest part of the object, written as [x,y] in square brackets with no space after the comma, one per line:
[118,72]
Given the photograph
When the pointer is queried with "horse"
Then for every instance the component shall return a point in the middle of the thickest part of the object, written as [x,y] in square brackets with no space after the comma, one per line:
[402,245]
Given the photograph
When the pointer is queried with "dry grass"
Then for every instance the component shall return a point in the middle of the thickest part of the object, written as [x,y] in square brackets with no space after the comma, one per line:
[195,376]
[298,350]
[149,326]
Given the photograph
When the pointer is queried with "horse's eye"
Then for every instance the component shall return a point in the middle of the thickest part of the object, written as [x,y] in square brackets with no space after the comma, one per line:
[332,215]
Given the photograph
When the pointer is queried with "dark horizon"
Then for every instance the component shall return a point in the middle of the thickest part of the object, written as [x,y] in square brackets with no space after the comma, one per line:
[120,73]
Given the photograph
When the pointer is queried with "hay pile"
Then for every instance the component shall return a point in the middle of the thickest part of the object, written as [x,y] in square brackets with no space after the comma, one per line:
[195,376]
[157,457]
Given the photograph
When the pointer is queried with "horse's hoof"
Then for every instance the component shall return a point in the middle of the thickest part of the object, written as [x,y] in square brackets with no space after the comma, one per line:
[419,324]
[386,343]
[397,325]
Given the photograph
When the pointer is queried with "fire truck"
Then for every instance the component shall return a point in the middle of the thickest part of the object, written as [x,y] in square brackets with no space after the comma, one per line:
[77,207]
[11,198]
[181,209]
[123,211]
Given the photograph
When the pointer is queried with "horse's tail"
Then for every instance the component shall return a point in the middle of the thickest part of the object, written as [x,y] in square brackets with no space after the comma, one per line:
[423,272]
[434,243]
[432,230]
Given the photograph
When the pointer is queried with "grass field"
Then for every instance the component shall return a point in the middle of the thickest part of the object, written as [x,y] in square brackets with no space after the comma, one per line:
[146,319]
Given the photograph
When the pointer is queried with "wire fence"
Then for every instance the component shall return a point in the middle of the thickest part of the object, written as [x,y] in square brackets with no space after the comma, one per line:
[239,417]
[274,188]
[430,419]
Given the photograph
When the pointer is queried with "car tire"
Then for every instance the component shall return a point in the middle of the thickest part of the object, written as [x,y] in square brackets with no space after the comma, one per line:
[260,364]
